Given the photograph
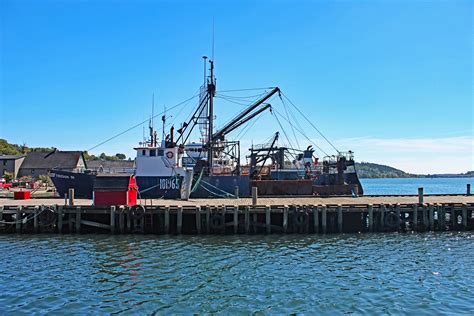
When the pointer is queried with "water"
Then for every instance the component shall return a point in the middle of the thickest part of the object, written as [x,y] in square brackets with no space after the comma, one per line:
[411,185]
[422,274]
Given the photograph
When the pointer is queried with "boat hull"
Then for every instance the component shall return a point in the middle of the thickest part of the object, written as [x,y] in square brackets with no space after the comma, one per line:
[82,183]
[159,187]
[221,186]
[209,186]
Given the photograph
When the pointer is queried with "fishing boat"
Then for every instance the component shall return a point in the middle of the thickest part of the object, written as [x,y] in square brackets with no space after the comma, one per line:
[212,167]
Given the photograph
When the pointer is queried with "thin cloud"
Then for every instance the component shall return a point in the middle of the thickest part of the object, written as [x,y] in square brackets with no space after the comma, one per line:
[415,155]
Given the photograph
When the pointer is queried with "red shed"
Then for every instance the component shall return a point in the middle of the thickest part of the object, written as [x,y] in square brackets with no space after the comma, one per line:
[115,190]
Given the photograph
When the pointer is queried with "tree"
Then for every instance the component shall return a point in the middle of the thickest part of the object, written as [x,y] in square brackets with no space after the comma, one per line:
[121,156]
[103,156]
[8,176]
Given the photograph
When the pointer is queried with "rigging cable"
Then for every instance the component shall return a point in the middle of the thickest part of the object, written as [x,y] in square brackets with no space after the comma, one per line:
[139,124]
[249,89]
[302,133]
[284,132]
[247,128]
[292,128]
[241,97]
[320,133]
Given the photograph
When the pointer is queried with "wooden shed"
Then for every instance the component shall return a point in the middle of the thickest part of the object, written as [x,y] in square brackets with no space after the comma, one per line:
[115,190]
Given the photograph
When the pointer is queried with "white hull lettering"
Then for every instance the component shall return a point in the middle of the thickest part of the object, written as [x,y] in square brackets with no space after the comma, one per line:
[169,184]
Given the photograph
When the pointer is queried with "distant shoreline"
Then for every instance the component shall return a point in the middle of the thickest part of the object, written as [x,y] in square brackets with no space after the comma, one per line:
[440,176]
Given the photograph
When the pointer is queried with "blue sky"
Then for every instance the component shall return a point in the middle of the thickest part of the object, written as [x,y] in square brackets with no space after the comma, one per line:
[391,80]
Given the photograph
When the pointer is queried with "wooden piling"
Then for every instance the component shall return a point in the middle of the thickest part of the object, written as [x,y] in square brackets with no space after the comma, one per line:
[254,196]
[167,220]
[18,219]
[198,219]
[208,219]
[268,219]
[70,219]
[339,218]
[254,221]
[415,217]
[78,220]
[71,197]
[371,217]
[259,219]
[129,219]
[382,216]
[426,224]
[224,212]
[60,218]
[247,219]
[431,216]
[454,218]
[324,218]
[468,189]
[112,219]
[179,220]
[236,219]
[397,212]
[420,195]
[464,216]
[35,219]
[122,220]
[316,219]
[1,215]
[441,216]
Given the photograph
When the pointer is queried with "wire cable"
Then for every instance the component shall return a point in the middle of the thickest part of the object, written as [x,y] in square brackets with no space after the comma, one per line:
[249,89]
[302,133]
[320,133]
[139,124]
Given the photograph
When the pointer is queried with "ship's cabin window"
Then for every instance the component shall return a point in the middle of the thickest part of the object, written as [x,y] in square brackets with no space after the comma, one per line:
[143,152]
[152,152]
[161,152]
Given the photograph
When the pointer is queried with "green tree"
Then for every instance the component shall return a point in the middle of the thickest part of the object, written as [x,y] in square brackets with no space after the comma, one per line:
[8,176]
[121,156]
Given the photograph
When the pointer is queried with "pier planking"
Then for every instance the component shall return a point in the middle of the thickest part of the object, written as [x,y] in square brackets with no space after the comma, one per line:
[235,218]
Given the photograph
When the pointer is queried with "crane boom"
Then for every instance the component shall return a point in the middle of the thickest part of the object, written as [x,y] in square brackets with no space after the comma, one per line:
[242,117]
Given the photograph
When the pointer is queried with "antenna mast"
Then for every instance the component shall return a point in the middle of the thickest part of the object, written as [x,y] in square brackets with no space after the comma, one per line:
[211,90]
[213,39]
[163,118]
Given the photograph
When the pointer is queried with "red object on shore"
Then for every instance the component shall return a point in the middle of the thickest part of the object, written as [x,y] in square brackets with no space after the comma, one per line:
[115,190]
[21,195]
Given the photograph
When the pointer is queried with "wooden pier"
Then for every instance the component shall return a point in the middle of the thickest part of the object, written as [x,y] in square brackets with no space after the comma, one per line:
[237,218]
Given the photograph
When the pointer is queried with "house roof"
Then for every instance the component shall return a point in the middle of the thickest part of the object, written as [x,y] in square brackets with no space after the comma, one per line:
[111,164]
[50,160]
[11,157]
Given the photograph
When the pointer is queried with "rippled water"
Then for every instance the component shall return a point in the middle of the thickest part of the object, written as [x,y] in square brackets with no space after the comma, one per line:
[410,185]
[427,273]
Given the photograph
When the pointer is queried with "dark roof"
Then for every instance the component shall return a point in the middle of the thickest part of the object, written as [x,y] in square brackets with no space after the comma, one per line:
[52,159]
[11,157]
[111,183]
[110,164]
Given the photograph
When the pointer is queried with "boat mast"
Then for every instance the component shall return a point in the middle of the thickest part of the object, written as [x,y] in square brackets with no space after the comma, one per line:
[163,133]
[211,91]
